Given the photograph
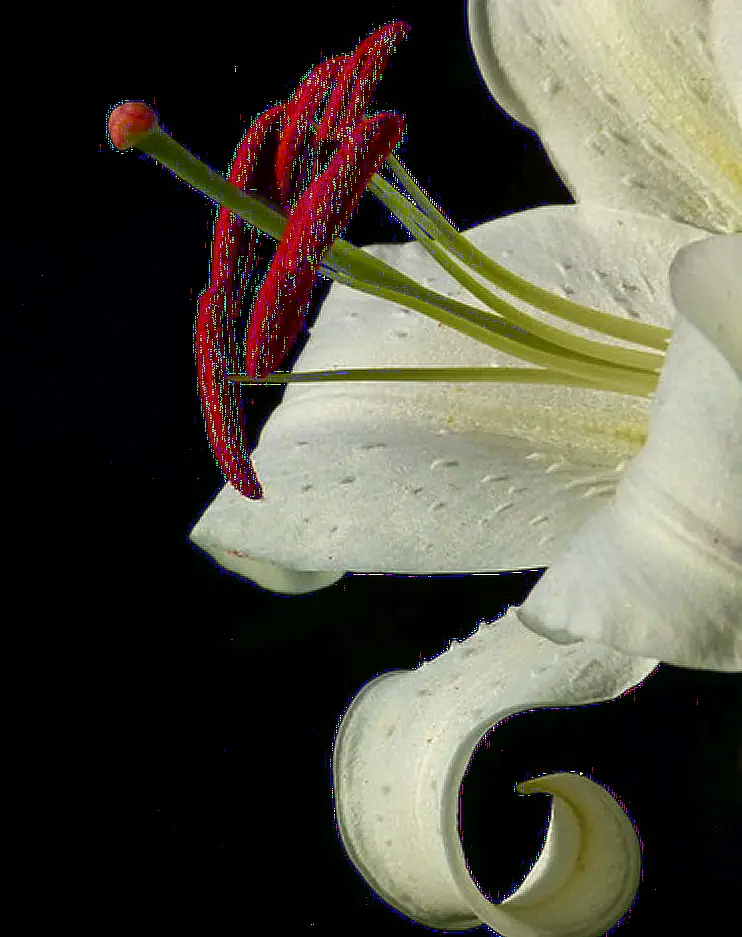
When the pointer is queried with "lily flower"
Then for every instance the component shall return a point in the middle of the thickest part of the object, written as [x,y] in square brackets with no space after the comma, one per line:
[438,454]
[498,476]
[656,569]
[503,474]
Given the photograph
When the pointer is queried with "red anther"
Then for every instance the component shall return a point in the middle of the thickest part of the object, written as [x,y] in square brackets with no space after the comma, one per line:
[221,406]
[297,134]
[321,214]
[130,118]
[282,157]
[356,84]
[220,307]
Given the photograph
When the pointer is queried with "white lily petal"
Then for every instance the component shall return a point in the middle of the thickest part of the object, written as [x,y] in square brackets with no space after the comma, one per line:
[726,43]
[402,751]
[480,38]
[626,98]
[273,576]
[445,478]
[659,570]
[706,288]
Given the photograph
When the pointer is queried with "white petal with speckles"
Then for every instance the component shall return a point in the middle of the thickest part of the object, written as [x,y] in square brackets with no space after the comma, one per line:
[632,101]
[400,757]
[436,478]
[658,572]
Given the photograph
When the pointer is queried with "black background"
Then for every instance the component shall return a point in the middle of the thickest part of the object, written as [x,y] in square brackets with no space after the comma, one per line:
[174,722]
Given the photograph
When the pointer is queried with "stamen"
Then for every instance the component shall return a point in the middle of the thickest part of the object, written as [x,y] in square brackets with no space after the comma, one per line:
[607,369]
[442,375]
[626,357]
[651,336]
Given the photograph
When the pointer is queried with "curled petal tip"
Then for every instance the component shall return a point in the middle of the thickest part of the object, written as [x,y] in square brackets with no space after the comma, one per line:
[132,117]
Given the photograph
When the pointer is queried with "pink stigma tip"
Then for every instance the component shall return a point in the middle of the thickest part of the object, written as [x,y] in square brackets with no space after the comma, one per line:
[128,118]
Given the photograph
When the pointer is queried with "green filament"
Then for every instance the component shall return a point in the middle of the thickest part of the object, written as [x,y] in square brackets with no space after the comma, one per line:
[624,357]
[639,333]
[446,375]
[566,358]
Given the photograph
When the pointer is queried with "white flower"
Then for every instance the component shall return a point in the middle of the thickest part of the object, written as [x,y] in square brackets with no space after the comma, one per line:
[437,478]
[635,507]
[656,569]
